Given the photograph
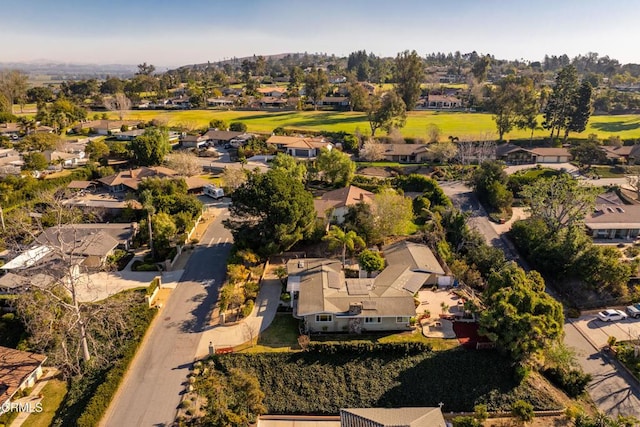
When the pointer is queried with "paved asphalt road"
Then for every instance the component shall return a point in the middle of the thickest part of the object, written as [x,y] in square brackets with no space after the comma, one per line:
[151,391]
[612,390]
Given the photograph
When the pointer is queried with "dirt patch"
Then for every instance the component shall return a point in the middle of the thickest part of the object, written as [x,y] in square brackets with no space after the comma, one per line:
[375,171]
[557,421]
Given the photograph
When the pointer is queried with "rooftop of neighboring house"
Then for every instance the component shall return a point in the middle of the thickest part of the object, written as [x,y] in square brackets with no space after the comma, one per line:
[53,155]
[608,216]
[132,177]
[15,367]
[504,149]
[13,281]
[264,90]
[289,140]
[341,197]
[9,127]
[222,135]
[404,149]
[85,239]
[107,124]
[324,288]
[392,417]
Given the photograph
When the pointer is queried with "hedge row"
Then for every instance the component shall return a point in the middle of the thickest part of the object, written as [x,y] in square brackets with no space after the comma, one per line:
[366,347]
[99,402]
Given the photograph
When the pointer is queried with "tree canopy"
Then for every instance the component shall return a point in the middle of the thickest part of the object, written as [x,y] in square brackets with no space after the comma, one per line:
[409,75]
[270,213]
[150,148]
[386,112]
[520,317]
[559,201]
[335,167]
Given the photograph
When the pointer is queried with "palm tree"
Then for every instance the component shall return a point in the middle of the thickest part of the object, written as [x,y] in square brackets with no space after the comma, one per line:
[349,240]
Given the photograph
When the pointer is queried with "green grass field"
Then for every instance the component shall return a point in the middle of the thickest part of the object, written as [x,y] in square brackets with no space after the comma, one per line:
[458,124]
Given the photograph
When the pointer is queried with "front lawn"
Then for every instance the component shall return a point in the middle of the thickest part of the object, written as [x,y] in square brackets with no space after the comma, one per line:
[53,395]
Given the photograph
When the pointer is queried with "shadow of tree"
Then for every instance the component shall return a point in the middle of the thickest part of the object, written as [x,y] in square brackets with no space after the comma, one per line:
[617,126]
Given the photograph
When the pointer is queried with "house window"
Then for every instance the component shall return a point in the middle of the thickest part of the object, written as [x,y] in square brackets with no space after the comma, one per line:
[402,319]
[372,320]
[324,318]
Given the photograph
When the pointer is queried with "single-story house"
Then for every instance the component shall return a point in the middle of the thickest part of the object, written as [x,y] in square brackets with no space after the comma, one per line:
[19,370]
[219,137]
[129,135]
[181,102]
[59,159]
[272,102]
[106,127]
[334,101]
[10,129]
[328,301]
[333,205]
[442,102]
[633,156]
[220,102]
[275,92]
[194,141]
[611,221]
[299,146]
[14,283]
[516,155]
[406,153]
[93,242]
[130,178]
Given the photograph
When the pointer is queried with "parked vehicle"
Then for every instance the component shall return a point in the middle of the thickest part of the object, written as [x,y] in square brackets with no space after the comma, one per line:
[612,315]
[633,311]
[213,191]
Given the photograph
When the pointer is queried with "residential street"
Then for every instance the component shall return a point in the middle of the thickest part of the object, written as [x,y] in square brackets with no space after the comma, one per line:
[612,389]
[151,390]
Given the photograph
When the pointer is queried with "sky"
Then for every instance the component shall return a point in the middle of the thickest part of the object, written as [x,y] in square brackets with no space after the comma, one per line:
[179,32]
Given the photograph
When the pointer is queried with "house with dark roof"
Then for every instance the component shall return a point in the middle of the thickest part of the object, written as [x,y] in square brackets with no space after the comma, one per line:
[333,205]
[516,155]
[614,221]
[19,370]
[92,242]
[193,141]
[406,153]
[330,302]
[221,137]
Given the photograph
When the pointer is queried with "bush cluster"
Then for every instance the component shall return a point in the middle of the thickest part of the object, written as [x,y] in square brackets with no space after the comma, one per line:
[573,382]
[365,347]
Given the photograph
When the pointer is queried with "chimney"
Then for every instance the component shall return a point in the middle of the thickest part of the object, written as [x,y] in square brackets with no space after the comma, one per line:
[300,264]
[355,308]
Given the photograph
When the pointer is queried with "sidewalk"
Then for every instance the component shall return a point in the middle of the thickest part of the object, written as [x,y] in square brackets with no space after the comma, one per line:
[249,328]
[33,398]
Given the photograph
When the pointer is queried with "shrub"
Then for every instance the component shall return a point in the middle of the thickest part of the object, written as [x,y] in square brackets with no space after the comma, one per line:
[247,308]
[573,313]
[572,382]
[251,290]
[285,296]
[141,266]
[466,422]
[522,410]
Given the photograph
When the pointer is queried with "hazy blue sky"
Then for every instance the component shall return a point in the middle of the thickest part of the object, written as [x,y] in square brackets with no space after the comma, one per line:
[169,33]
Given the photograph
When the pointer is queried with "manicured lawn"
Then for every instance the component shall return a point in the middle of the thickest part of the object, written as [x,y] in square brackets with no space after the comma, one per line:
[281,335]
[53,393]
[214,180]
[413,336]
[612,172]
[458,124]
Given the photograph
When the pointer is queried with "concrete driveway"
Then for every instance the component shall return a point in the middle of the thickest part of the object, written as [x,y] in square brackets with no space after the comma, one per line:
[599,332]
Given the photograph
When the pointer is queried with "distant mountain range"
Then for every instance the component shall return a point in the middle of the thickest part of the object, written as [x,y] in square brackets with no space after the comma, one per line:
[69,71]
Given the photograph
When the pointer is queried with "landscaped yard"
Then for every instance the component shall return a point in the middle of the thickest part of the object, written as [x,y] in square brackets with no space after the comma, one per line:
[53,394]
[458,124]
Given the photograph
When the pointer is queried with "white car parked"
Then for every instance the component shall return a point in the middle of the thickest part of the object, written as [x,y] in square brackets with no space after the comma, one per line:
[612,315]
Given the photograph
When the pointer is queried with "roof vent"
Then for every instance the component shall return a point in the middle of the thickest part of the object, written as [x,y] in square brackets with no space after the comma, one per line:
[610,209]
[620,210]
